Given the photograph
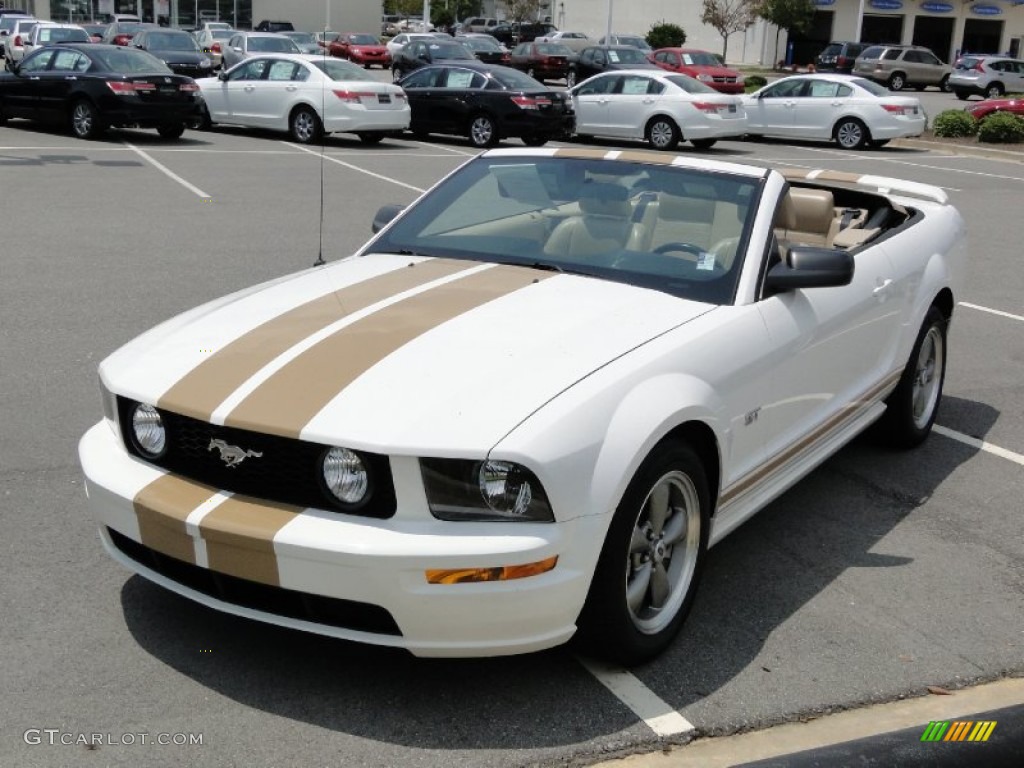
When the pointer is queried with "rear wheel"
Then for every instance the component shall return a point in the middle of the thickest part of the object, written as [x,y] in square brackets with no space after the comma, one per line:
[994,91]
[647,575]
[878,143]
[913,405]
[305,126]
[482,131]
[535,140]
[897,81]
[703,143]
[962,95]
[662,133]
[85,120]
[944,85]
[171,131]
[851,133]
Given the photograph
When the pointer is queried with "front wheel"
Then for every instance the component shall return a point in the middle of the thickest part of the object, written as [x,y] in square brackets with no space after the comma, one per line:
[662,133]
[851,133]
[171,131]
[371,138]
[305,126]
[913,405]
[944,85]
[897,82]
[994,91]
[647,574]
[703,143]
[85,120]
[483,132]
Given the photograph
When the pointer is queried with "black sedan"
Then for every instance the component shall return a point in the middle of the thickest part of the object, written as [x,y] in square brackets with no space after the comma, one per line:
[422,51]
[603,58]
[90,86]
[485,48]
[486,104]
[177,49]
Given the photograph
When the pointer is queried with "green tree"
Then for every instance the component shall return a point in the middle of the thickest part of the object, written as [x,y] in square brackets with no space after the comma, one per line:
[728,16]
[790,15]
[666,35]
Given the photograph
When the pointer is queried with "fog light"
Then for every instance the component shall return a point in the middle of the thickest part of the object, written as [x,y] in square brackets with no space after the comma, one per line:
[148,429]
[345,475]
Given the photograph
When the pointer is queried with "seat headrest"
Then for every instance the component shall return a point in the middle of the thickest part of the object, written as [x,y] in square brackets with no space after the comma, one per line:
[674,208]
[812,210]
[604,199]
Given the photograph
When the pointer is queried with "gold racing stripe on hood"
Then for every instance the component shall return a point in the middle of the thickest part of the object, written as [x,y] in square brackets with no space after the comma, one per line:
[161,508]
[239,536]
[292,396]
[201,390]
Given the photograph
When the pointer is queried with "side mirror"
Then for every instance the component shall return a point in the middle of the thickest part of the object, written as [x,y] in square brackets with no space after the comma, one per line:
[14,67]
[222,76]
[810,267]
[385,216]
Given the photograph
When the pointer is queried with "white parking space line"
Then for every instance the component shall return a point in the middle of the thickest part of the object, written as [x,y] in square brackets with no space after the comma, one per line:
[645,704]
[992,311]
[981,445]
[453,150]
[353,167]
[168,172]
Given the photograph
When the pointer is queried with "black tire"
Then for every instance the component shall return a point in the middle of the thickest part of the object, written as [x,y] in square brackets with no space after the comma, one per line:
[913,405]
[203,122]
[897,81]
[371,138]
[535,140]
[482,131]
[622,620]
[171,131]
[703,143]
[570,78]
[994,91]
[851,133]
[305,126]
[85,120]
[878,143]
[944,85]
[396,74]
[962,95]
[3,116]
[662,133]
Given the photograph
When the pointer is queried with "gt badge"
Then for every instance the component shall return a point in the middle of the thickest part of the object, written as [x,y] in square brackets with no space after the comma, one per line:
[232,455]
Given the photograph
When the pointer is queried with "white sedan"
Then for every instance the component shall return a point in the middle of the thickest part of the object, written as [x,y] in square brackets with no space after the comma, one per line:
[527,407]
[396,43]
[852,111]
[661,107]
[306,96]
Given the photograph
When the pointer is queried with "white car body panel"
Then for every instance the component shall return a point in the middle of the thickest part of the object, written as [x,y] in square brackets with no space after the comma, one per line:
[575,378]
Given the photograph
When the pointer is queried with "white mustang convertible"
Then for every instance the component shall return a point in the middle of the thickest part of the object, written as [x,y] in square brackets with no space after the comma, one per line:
[530,404]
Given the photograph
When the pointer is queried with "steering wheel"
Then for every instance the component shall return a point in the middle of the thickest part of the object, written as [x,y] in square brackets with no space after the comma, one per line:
[677,247]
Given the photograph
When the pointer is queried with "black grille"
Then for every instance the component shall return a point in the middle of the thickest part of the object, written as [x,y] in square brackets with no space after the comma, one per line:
[287,471]
[332,611]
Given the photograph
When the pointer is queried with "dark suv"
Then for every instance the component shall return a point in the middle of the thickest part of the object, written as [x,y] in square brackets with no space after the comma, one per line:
[839,57]
[274,26]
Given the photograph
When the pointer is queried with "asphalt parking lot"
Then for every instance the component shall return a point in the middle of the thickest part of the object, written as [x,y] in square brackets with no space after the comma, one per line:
[879,575]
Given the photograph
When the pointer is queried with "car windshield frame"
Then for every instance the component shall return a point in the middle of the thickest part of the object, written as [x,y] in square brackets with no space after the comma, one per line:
[488,212]
[157,41]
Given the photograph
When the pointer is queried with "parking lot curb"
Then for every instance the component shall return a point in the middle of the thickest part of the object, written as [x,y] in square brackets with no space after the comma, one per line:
[1011,155]
[854,724]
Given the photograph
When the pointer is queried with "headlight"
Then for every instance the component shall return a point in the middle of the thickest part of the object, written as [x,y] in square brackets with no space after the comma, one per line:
[148,431]
[705,78]
[466,490]
[345,475]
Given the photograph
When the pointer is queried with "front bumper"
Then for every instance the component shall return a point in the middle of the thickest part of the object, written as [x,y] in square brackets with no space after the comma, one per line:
[314,557]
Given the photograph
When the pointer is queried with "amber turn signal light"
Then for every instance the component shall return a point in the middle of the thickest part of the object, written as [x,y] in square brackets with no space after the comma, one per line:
[500,573]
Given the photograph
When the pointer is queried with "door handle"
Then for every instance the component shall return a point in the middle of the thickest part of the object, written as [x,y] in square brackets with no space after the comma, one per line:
[290,88]
[648,101]
[250,87]
[882,289]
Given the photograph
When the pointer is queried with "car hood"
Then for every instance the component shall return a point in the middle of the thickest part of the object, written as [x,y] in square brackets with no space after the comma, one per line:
[180,57]
[392,353]
[377,49]
[709,70]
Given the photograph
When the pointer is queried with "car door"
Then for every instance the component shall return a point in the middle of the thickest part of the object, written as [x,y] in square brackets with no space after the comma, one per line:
[592,104]
[21,91]
[828,348]
[423,90]
[635,97]
[773,112]
[238,94]
[56,84]
[457,98]
[820,104]
[274,93]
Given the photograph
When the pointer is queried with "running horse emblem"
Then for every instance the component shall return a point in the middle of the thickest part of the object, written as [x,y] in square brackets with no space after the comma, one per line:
[232,455]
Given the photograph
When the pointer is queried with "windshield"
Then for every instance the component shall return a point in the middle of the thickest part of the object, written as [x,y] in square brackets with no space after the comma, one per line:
[627,55]
[129,61]
[336,69]
[169,41]
[637,42]
[515,80]
[364,40]
[442,51]
[700,60]
[302,38]
[480,44]
[690,84]
[62,35]
[610,219]
[871,87]
[272,44]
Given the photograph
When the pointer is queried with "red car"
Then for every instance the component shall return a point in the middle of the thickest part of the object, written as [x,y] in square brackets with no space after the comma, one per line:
[360,48]
[701,65]
[990,106]
[542,61]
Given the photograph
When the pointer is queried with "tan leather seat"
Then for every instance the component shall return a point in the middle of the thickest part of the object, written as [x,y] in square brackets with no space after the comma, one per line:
[603,225]
[806,217]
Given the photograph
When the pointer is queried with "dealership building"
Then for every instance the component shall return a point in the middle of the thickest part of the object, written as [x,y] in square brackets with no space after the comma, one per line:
[948,27]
